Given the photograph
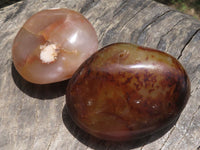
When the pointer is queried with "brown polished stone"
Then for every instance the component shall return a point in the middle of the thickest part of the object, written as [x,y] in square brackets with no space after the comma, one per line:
[126,92]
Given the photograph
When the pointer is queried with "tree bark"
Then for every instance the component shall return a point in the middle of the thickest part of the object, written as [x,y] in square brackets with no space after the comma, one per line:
[34,117]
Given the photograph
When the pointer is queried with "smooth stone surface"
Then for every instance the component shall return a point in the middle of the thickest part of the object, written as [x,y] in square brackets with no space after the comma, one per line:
[127,92]
[52,44]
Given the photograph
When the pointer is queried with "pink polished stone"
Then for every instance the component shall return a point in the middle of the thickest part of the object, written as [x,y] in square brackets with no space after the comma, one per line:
[52,44]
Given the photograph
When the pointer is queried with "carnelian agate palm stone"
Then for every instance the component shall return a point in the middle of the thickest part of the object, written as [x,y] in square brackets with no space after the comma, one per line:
[52,44]
[126,92]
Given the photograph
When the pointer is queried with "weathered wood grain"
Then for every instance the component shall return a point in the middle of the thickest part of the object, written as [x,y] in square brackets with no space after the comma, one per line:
[34,117]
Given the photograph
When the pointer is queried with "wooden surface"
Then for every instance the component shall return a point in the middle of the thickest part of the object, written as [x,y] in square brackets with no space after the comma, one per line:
[33,117]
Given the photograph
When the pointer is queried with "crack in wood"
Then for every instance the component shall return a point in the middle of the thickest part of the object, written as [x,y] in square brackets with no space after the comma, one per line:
[123,5]
[20,6]
[54,137]
[194,89]
[37,120]
[168,32]
[145,6]
[154,19]
[167,138]
[88,5]
[189,125]
[187,43]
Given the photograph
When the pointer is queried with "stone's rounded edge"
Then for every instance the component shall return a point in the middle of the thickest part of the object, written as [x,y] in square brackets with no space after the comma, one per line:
[162,127]
[85,50]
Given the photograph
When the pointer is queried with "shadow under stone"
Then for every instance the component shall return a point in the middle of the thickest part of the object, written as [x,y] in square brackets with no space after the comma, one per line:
[43,92]
[99,144]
